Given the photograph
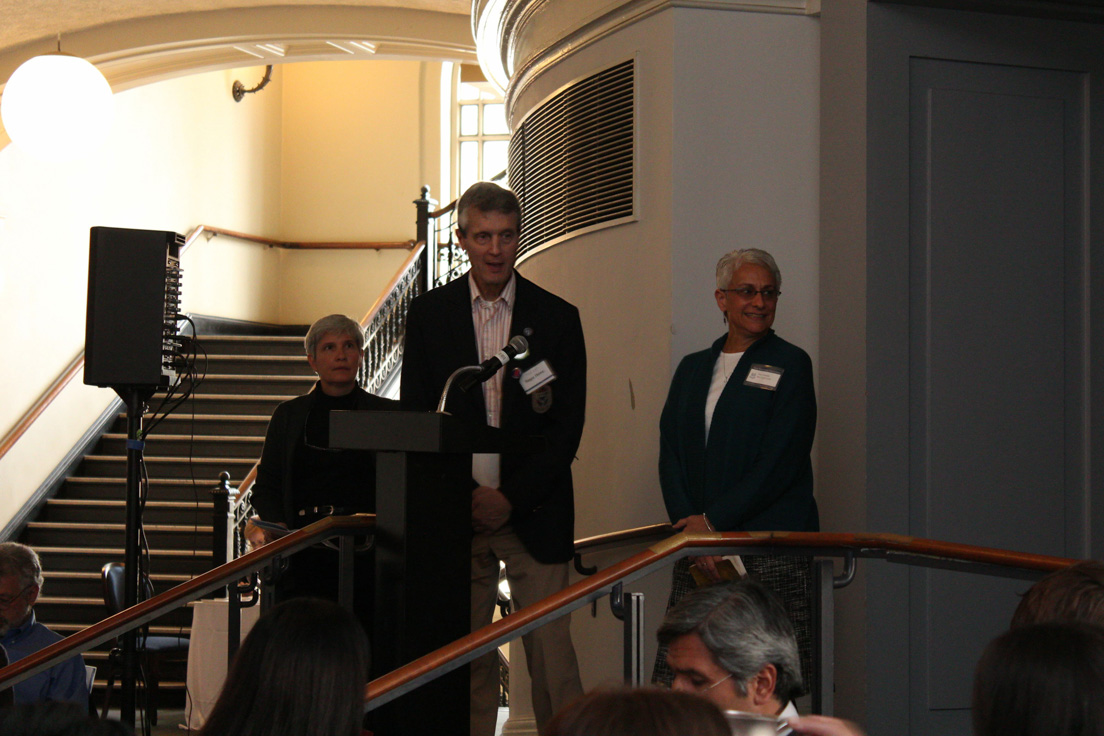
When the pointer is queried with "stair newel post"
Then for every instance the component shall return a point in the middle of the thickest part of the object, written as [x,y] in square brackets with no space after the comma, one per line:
[222,548]
[135,399]
[422,204]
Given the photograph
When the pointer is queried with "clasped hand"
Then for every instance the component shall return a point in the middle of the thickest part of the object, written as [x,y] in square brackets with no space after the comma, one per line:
[697,524]
[490,510]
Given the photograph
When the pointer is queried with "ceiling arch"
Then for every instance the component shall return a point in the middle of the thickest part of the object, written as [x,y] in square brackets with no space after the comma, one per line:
[135,49]
[137,42]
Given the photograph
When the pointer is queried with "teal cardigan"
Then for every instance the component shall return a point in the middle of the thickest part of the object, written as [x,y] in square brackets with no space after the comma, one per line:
[754,474]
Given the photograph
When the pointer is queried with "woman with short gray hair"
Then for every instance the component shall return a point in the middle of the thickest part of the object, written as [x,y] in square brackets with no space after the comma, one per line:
[302,479]
[736,433]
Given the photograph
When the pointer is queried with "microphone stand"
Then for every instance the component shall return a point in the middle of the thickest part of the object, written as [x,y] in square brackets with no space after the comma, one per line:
[448,384]
[135,398]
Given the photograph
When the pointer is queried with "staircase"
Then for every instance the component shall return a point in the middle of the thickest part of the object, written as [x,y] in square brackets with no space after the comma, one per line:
[220,429]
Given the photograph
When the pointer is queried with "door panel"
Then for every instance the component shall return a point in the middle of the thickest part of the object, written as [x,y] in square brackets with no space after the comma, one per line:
[997,306]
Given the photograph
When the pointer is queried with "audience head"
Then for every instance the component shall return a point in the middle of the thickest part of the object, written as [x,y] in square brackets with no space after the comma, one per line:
[731,262]
[302,669]
[734,645]
[335,324]
[20,584]
[1041,680]
[1074,593]
[51,718]
[642,712]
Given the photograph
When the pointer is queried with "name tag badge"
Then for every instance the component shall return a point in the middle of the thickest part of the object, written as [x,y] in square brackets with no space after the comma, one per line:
[537,376]
[763,376]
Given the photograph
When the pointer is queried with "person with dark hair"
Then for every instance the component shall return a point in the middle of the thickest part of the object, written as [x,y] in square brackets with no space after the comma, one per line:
[522,503]
[735,438]
[1074,593]
[300,479]
[303,669]
[57,719]
[734,645]
[640,712]
[21,635]
[1041,680]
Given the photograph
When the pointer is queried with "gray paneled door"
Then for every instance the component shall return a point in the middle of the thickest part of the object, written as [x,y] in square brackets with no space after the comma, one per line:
[998,330]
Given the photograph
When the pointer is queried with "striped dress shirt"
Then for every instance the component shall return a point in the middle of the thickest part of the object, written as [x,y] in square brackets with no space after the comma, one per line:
[492,330]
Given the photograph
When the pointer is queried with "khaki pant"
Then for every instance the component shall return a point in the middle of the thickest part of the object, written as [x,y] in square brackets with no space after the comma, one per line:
[549,652]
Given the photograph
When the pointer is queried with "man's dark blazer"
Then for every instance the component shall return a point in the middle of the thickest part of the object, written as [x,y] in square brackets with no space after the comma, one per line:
[440,337]
[273,495]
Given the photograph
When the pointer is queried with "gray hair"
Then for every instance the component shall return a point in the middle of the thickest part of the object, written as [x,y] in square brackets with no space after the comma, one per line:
[486,196]
[21,561]
[745,627]
[731,261]
[338,323]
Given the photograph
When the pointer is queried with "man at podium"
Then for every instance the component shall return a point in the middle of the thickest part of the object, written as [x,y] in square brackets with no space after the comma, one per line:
[522,506]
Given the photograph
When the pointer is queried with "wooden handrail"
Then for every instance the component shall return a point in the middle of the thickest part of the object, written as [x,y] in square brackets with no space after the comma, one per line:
[892,547]
[444,210]
[39,406]
[181,595]
[304,245]
[623,537]
[408,264]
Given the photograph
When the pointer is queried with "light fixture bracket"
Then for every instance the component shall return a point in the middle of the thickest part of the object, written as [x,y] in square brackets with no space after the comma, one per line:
[239,91]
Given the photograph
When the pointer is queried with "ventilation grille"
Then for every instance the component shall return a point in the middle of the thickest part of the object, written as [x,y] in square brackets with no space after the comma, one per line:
[571,160]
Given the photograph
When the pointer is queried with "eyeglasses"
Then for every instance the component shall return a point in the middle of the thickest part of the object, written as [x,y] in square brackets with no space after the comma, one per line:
[715,684]
[769,294]
[7,600]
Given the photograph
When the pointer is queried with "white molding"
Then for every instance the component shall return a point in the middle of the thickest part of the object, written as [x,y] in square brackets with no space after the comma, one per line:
[139,51]
[497,40]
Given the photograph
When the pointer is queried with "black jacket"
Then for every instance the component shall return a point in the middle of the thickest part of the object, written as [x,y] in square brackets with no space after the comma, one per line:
[440,337]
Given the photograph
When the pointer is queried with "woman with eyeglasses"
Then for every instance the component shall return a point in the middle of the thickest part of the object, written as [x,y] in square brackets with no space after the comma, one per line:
[735,437]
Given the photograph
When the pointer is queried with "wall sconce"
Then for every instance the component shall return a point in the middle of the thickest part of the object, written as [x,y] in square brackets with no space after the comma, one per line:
[239,91]
[57,106]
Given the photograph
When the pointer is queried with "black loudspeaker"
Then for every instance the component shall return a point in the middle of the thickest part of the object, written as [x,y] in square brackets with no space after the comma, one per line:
[133,303]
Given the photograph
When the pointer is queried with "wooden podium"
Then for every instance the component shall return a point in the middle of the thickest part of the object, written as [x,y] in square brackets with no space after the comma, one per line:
[422,553]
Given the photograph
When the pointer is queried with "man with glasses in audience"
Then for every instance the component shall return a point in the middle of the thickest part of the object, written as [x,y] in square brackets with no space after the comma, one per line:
[21,635]
[734,645]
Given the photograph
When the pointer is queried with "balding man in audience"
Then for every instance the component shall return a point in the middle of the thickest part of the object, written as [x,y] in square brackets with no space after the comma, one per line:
[734,644]
[21,635]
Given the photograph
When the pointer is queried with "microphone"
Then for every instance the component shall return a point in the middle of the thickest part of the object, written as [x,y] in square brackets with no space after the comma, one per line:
[518,345]
[469,375]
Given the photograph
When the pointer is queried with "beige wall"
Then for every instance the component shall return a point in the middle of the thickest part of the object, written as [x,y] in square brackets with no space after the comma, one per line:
[353,153]
[181,153]
[288,162]
[316,283]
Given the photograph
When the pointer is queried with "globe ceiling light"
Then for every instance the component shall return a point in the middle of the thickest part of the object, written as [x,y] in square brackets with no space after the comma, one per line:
[57,107]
